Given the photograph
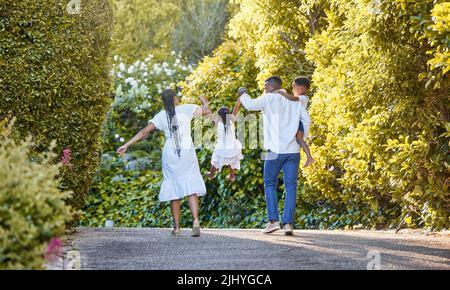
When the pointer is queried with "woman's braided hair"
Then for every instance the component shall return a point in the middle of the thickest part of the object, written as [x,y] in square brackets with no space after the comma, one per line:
[169,105]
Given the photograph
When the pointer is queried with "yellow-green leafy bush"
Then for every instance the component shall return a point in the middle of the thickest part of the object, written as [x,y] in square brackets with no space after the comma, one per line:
[32,208]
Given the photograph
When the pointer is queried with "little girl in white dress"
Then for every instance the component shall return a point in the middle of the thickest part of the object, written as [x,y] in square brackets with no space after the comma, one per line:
[228,150]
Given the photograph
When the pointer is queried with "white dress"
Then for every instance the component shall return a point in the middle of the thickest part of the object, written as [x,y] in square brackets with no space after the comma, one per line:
[228,150]
[182,175]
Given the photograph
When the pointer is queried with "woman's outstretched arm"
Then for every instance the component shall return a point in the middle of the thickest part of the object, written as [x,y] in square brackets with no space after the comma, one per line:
[138,137]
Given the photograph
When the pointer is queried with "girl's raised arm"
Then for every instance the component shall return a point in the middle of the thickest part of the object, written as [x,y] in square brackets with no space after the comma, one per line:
[236,108]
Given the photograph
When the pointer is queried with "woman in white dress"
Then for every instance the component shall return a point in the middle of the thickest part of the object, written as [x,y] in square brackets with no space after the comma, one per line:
[228,150]
[180,166]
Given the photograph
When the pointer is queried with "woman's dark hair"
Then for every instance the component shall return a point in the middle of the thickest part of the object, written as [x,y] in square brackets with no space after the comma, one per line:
[223,112]
[302,81]
[169,105]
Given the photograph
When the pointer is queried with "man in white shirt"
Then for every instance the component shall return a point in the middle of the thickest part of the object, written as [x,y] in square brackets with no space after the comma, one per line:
[281,121]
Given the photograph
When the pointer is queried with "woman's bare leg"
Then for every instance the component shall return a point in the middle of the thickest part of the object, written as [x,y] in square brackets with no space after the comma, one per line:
[175,208]
[193,204]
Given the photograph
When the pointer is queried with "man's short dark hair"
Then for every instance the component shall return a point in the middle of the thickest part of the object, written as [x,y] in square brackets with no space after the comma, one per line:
[302,81]
[275,81]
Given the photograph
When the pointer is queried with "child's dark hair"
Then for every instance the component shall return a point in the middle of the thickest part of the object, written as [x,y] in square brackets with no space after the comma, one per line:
[302,81]
[223,112]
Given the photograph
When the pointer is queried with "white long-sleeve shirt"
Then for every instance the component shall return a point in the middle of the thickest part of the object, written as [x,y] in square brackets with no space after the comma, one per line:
[281,119]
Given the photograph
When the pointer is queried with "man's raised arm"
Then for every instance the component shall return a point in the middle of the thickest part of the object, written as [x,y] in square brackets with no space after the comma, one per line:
[250,104]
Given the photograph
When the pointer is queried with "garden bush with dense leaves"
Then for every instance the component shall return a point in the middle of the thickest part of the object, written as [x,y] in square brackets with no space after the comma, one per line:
[32,208]
[380,127]
[54,78]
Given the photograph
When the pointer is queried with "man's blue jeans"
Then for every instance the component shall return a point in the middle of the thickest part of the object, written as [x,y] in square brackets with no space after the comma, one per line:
[273,165]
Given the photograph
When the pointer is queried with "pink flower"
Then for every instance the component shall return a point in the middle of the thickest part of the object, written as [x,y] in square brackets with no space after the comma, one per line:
[66,157]
[54,250]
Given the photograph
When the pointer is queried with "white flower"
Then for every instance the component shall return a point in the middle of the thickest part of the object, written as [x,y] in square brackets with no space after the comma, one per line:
[129,80]
[165,64]
[145,74]
[131,69]
[116,136]
[116,58]
[173,52]
[134,83]
[122,66]
[178,61]
[122,140]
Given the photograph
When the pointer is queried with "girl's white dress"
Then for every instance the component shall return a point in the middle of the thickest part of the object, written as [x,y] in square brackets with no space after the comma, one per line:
[181,174]
[228,150]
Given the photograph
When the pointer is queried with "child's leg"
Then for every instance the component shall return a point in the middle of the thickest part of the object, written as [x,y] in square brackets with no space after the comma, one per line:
[301,141]
[232,174]
[211,172]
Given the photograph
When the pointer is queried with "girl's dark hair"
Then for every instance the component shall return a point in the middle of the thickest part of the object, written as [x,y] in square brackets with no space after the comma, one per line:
[169,105]
[223,112]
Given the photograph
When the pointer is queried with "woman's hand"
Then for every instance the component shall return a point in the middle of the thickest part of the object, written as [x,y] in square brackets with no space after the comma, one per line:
[121,151]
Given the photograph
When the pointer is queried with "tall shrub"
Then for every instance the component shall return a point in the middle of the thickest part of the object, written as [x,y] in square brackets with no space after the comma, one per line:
[54,78]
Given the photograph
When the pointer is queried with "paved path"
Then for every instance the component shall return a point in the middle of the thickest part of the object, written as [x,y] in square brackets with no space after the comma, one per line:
[145,248]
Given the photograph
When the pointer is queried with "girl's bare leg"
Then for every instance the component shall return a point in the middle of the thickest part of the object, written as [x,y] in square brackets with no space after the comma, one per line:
[211,172]
[232,174]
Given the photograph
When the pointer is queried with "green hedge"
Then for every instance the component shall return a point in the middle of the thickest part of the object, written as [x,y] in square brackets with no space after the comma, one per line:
[54,78]
[32,208]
